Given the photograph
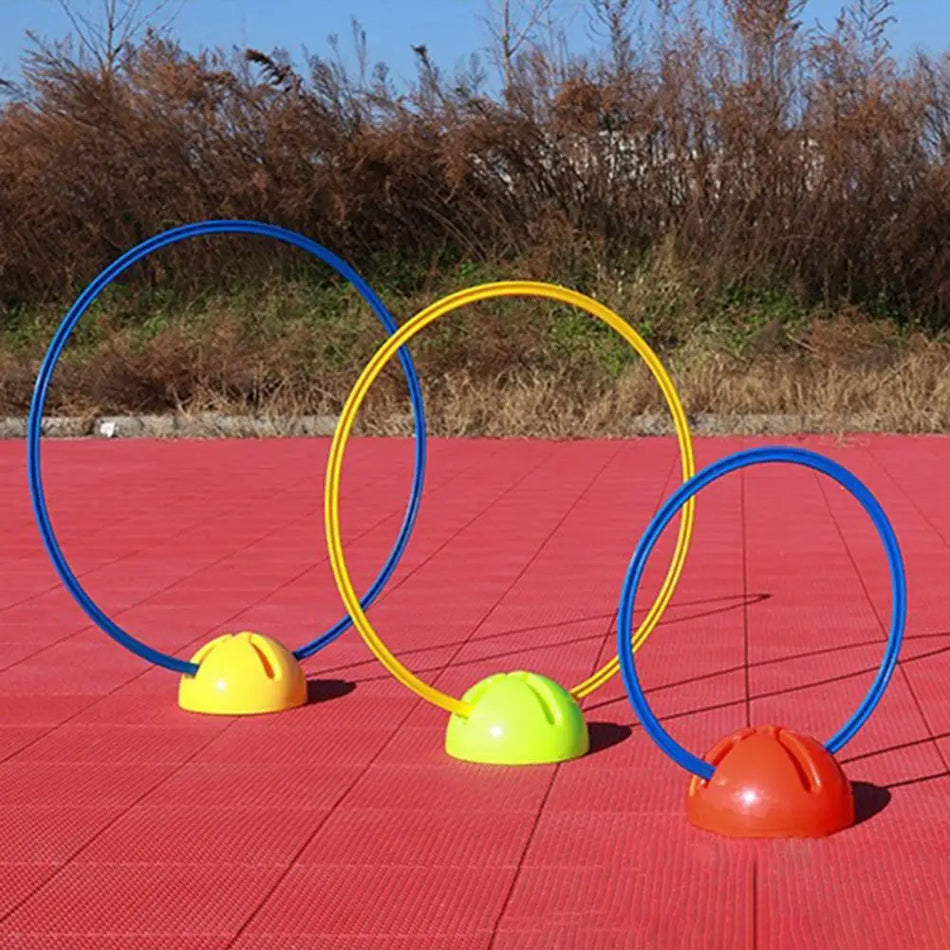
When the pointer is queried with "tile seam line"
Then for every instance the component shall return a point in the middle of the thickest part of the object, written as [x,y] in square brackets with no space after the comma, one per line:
[385,745]
[145,600]
[544,543]
[445,667]
[524,852]
[193,641]
[753,936]
[124,811]
[149,668]
[746,632]
[612,617]
[110,824]
[922,512]
[211,519]
[397,583]
[419,651]
[122,557]
[783,691]
[608,618]
[883,627]
[554,772]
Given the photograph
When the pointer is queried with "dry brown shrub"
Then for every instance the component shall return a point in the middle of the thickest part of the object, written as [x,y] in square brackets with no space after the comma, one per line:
[760,150]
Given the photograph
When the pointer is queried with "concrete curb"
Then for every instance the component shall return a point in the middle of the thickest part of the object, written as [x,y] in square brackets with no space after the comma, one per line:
[216,426]
[200,426]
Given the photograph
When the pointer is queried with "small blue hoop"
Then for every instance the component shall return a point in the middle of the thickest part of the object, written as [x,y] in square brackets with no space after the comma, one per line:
[666,514]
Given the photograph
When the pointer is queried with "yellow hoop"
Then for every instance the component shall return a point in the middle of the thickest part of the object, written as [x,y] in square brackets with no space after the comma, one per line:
[512,288]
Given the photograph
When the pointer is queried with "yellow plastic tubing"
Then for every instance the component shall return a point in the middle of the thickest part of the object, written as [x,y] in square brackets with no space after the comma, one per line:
[513,288]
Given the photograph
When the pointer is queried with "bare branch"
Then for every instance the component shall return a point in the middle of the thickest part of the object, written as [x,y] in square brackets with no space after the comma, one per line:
[120,23]
[511,24]
[613,18]
[89,38]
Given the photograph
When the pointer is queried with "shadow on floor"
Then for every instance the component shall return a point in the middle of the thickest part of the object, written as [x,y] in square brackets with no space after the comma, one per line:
[603,735]
[319,691]
[869,800]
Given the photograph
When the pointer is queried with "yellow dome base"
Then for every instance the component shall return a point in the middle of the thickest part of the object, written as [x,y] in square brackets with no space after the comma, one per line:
[243,674]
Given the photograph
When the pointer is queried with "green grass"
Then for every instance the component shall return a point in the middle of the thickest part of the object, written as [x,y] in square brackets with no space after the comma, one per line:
[296,343]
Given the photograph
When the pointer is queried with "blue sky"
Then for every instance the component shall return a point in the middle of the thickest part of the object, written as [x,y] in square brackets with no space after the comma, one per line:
[451,29]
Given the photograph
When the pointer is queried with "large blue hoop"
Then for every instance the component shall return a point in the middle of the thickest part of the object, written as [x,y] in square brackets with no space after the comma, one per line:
[34,425]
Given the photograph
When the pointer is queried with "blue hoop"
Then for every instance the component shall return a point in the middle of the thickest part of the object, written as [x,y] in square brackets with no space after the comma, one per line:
[34,426]
[663,517]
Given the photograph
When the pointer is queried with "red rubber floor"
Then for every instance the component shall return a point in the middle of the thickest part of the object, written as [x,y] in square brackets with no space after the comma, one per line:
[126,823]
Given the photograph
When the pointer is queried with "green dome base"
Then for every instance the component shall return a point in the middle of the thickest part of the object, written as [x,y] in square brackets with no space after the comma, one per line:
[518,718]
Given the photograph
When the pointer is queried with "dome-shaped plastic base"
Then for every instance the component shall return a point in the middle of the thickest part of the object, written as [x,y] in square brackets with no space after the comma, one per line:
[518,719]
[243,674]
[771,782]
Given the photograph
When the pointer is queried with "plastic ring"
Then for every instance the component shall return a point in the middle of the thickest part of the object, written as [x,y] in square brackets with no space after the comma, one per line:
[34,425]
[662,518]
[345,425]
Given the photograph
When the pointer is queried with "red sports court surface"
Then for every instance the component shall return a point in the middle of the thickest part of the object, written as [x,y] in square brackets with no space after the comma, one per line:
[126,823]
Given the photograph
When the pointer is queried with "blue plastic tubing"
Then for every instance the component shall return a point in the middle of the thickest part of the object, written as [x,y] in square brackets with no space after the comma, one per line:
[666,514]
[34,426]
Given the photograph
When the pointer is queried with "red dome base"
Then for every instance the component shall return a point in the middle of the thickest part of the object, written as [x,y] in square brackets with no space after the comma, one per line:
[771,783]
